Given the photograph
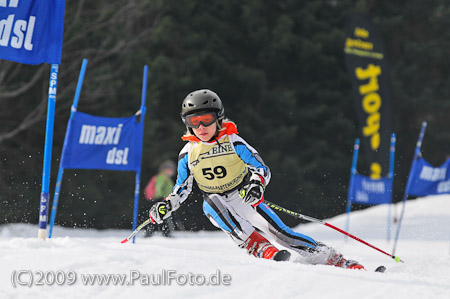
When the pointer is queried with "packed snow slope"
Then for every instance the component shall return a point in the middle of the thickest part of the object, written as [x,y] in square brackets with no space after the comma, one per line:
[62,266]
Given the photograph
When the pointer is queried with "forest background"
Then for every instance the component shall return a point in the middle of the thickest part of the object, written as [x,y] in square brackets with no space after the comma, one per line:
[279,68]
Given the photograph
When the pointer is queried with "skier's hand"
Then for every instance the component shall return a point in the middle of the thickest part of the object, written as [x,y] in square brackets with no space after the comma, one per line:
[253,190]
[174,200]
[159,211]
[163,209]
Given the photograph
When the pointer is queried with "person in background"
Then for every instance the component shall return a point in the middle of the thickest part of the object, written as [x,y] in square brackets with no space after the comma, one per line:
[159,186]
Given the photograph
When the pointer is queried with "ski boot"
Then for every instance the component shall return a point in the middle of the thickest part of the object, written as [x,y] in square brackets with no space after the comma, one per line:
[349,264]
[339,261]
[260,247]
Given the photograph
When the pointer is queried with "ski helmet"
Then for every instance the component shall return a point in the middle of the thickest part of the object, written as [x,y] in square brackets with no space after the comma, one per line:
[202,100]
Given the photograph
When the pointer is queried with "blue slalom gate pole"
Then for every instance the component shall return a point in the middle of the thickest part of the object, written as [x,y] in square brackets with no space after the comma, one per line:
[45,187]
[408,184]
[391,177]
[137,187]
[138,173]
[61,169]
[352,179]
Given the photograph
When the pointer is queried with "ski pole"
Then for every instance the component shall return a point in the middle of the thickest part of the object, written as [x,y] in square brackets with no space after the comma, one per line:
[134,233]
[307,218]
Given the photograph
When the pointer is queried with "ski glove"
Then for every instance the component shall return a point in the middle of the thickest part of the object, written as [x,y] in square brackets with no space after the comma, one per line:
[163,209]
[253,190]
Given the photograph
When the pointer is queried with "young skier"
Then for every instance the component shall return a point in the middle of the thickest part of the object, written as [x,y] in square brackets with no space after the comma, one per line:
[232,177]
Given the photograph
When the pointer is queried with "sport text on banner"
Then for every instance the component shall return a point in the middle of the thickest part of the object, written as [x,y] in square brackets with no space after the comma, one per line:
[95,142]
[371,192]
[368,70]
[31,32]
[429,180]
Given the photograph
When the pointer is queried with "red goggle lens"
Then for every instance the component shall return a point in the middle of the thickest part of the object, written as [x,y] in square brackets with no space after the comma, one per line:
[206,119]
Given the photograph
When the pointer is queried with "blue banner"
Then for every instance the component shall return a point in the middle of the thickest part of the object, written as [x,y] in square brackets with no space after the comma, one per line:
[429,180]
[94,142]
[31,32]
[371,191]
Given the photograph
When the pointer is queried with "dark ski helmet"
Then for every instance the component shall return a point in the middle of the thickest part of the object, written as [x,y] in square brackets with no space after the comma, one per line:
[202,100]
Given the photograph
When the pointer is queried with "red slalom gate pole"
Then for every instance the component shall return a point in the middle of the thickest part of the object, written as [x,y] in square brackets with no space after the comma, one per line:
[395,258]
[307,218]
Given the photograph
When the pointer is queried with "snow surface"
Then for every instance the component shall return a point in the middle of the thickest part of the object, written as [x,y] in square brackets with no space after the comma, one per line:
[424,246]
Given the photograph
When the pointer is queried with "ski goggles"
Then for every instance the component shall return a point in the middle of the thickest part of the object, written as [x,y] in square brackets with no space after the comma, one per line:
[205,118]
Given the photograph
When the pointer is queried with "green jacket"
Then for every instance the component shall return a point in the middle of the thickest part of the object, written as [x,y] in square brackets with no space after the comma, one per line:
[163,186]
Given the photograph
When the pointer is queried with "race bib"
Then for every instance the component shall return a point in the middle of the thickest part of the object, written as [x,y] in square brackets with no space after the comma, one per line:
[216,167]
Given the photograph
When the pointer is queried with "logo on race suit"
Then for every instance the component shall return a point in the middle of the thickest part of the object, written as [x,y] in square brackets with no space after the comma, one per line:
[163,210]
[14,32]
[217,150]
